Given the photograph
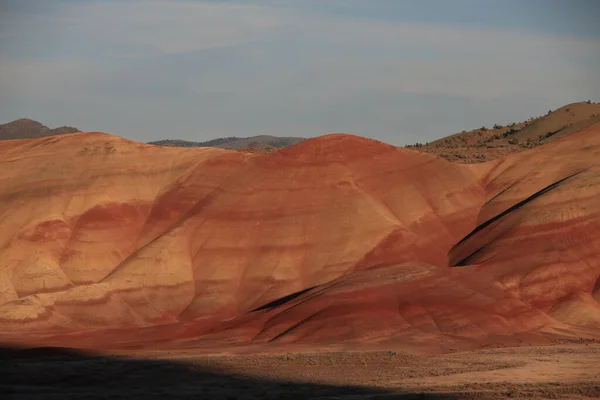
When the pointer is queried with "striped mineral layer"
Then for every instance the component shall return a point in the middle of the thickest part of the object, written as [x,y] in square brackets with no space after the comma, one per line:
[109,243]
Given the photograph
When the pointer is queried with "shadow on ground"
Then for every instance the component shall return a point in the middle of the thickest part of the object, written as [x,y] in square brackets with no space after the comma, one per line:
[56,373]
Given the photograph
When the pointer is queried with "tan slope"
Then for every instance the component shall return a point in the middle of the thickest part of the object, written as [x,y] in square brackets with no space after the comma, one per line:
[561,122]
[485,144]
[564,120]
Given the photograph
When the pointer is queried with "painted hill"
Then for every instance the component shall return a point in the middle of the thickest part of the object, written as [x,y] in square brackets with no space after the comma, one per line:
[253,142]
[335,239]
[485,144]
[27,128]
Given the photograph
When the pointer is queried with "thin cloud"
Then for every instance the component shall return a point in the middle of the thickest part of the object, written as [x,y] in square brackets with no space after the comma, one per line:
[245,70]
[154,28]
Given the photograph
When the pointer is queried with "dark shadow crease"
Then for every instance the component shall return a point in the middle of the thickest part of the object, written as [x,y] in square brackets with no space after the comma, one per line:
[282,300]
[463,262]
[55,373]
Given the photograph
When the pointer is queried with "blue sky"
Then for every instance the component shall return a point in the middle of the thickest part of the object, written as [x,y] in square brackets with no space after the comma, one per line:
[400,71]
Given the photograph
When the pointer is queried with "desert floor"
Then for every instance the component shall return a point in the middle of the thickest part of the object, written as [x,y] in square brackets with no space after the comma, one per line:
[561,371]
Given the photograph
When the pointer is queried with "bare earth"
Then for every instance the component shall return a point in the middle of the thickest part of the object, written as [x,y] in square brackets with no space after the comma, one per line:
[337,268]
[562,371]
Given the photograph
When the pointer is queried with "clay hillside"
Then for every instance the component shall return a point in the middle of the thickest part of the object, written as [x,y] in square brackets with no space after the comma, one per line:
[253,144]
[27,128]
[490,143]
[335,240]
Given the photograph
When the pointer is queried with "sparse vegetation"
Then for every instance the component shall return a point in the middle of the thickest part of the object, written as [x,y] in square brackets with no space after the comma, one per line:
[511,131]
[467,146]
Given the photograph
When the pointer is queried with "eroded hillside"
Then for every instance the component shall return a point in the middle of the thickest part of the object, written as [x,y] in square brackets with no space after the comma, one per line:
[335,239]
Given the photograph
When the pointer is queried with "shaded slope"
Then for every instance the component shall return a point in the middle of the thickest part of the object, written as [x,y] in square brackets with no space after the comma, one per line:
[411,303]
[58,374]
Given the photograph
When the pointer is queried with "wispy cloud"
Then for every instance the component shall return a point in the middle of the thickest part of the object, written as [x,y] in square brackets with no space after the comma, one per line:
[273,68]
[153,28]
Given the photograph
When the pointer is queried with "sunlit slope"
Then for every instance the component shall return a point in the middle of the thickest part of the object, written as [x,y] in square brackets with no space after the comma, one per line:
[539,230]
[530,267]
[102,232]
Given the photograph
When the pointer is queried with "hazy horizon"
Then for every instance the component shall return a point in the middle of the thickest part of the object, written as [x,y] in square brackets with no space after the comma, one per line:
[396,71]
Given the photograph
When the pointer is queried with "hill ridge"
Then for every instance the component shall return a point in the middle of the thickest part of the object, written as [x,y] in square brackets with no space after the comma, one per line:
[25,128]
[486,144]
[234,142]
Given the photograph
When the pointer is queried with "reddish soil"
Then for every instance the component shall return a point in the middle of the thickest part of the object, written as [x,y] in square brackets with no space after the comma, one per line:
[337,239]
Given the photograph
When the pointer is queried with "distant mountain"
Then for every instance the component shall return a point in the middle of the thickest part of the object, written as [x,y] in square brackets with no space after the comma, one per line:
[26,129]
[235,143]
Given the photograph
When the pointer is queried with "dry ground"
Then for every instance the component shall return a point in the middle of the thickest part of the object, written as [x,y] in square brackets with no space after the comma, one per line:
[568,371]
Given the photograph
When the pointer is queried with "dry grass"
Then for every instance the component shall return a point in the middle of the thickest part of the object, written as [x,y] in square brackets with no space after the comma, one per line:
[486,144]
